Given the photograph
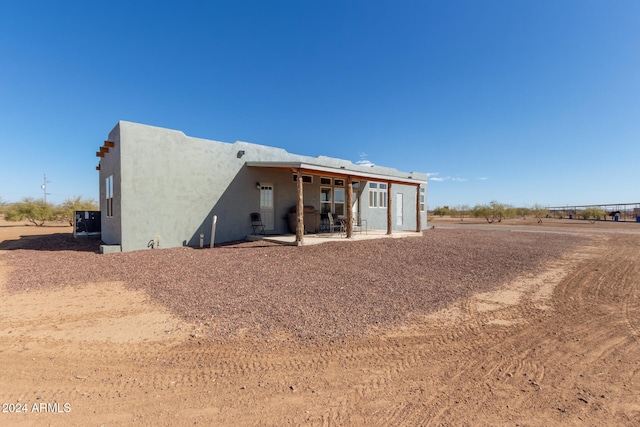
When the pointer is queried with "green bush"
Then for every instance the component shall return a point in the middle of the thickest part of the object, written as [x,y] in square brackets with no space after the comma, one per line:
[64,212]
[32,210]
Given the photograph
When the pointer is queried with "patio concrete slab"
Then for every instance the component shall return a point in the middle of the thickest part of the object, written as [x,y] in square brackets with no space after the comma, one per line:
[315,239]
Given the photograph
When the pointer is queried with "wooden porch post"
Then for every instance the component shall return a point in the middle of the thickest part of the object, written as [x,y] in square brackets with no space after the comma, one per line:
[300,211]
[349,208]
[418,216]
[389,203]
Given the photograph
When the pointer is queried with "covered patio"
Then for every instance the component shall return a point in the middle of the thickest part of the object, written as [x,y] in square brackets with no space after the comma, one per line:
[300,169]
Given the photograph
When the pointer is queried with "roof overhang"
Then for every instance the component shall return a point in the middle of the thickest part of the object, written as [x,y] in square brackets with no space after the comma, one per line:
[336,172]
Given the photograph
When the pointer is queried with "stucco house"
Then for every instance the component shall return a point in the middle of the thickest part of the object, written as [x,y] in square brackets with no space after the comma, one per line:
[161,188]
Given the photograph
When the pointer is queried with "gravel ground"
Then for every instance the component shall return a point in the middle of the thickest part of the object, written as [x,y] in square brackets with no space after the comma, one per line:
[320,292]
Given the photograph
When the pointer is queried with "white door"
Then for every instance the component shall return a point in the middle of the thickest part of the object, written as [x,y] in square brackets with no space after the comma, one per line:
[399,220]
[266,206]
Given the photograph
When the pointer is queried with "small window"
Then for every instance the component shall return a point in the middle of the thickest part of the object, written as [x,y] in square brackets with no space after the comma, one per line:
[338,182]
[109,196]
[306,179]
[373,194]
[422,198]
[383,195]
[325,181]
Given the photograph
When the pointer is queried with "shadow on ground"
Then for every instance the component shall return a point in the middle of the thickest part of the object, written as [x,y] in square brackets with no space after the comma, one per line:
[52,242]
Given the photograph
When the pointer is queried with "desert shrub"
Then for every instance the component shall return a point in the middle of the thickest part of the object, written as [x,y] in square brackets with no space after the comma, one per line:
[64,212]
[34,211]
[494,211]
[441,211]
[460,211]
[539,212]
[593,214]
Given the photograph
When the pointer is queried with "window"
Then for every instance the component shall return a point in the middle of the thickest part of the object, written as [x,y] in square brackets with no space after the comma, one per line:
[423,192]
[332,196]
[325,200]
[378,195]
[109,195]
[373,194]
[383,195]
[339,201]
[306,179]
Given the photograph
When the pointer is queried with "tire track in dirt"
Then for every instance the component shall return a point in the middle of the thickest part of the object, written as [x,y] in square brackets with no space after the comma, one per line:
[505,370]
[604,337]
[530,353]
[562,356]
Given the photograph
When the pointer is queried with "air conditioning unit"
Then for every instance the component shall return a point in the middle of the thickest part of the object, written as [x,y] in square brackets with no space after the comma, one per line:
[87,224]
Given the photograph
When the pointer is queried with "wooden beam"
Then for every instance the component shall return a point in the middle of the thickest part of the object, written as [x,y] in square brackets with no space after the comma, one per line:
[389,205]
[418,214]
[110,144]
[300,211]
[349,207]
[98,167]
[99,154]
[104,149]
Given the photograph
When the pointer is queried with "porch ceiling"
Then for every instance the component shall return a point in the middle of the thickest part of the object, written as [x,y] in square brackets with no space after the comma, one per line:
[336,172]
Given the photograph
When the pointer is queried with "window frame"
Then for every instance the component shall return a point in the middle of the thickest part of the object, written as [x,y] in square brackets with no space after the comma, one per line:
[306,179]
[373,194]
[109,196]
[383,188]
[325,203]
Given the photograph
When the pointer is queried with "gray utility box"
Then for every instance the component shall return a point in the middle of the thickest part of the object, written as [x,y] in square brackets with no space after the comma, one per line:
[87,224]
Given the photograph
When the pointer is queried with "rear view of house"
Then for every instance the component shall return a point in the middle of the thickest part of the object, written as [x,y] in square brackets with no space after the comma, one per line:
[161,188]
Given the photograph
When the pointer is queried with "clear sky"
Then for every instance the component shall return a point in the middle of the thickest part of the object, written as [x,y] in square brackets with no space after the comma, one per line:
[521,102]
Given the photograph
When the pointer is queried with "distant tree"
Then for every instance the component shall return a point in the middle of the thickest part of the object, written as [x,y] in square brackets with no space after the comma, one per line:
[441,211]
[463,211]
[492,212]
[3,206]
[593,214]
[539,212]
[499,210]
[483,211]
[520,212]
[34,211]
[65,211]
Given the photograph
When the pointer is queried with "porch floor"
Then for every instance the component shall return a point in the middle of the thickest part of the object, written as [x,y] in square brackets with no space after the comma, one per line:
[315,239]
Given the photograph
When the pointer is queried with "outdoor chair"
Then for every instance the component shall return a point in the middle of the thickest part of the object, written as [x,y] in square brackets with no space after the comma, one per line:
[256,223]
[359,225]
[333,225]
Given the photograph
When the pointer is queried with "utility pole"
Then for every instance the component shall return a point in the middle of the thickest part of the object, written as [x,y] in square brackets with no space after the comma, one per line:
[44,187]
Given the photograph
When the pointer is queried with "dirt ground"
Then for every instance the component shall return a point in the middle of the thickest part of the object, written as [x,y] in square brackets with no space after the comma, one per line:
[559,347]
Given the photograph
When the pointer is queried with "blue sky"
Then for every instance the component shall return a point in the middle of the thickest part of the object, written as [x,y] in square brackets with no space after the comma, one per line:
[521,102]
